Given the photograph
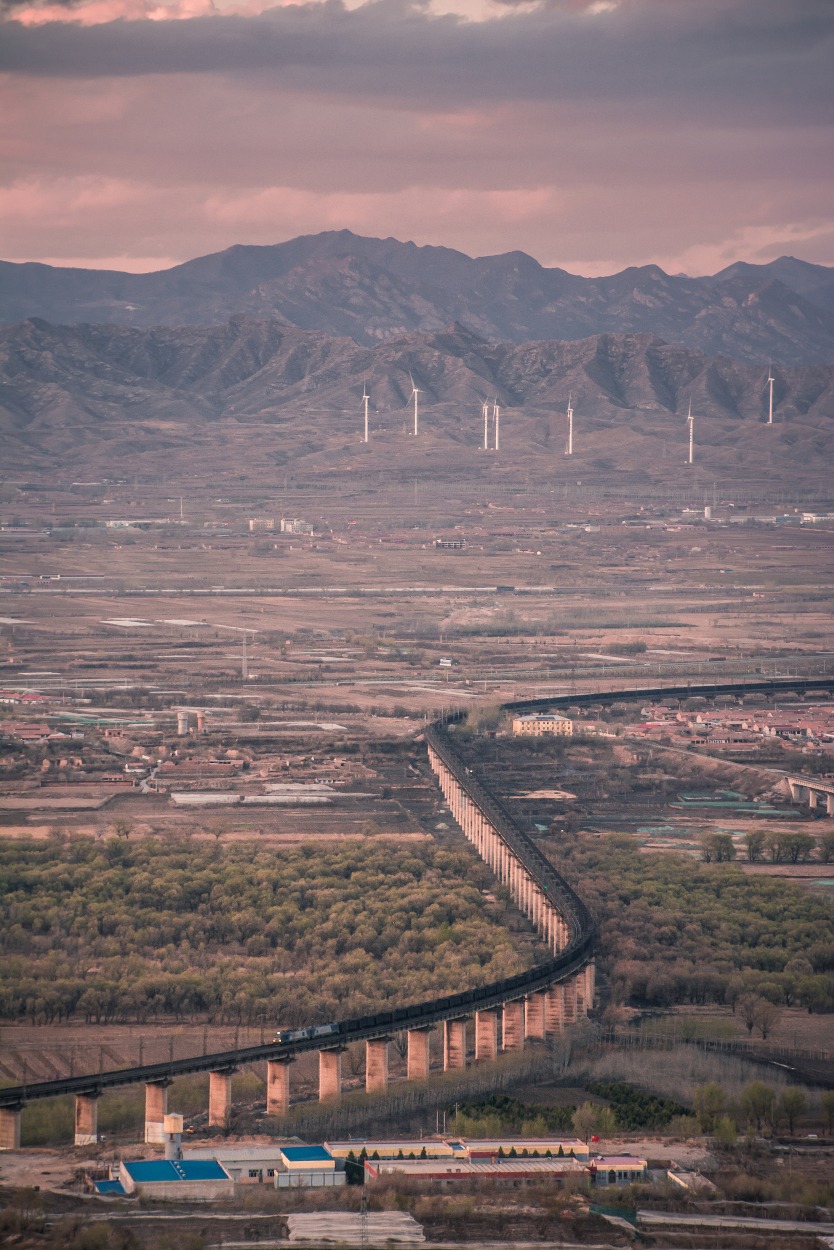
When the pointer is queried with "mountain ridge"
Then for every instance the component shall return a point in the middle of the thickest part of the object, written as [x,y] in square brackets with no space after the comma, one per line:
[94,393]
[375,290]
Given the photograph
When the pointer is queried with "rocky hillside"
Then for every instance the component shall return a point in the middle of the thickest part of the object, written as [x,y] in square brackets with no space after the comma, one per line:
[66,389]
[372,290]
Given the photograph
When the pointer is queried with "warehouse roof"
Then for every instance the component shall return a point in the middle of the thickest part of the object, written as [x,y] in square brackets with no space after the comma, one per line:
[306,1154]
[151,1171]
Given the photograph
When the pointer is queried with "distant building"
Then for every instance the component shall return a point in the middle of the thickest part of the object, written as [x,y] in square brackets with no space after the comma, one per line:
[26,731]
[203,1180]
[285,1167]
[616,1170]
[294,525]
[497,1147]
[540,724]
[261,523]
[449,544]
[308,1167]
[402,1148]
[510,1172]
[600,1171]
[459,1148]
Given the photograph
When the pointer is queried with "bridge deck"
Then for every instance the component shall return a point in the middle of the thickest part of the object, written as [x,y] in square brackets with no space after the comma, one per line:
[576,955]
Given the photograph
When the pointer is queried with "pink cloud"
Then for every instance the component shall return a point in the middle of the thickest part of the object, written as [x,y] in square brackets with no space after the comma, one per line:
[132,139]
[99,12]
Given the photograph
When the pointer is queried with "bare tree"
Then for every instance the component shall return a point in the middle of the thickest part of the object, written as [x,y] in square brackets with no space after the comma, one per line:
[768,1016]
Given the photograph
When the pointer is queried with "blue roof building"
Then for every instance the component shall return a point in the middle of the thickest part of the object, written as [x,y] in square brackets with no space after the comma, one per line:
[307,1156]
[110,1189]
[197,1179]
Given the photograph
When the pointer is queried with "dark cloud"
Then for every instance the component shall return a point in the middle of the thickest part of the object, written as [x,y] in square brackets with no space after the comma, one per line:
[754,61]
[687,132]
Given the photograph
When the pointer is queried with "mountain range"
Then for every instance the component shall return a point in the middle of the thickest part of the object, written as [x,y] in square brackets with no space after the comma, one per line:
[101,394]
[376,290]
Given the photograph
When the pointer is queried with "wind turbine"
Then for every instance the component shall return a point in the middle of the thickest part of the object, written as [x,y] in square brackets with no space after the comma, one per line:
[769,384]
[570,425]
[486,425]
[414,393]
[496,412]
[365,398]
[691,422]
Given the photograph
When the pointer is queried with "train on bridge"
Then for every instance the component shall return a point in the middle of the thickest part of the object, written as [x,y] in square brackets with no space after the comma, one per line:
[534,1004]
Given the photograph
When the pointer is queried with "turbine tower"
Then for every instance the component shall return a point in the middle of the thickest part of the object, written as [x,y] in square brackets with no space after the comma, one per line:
[414,394]
[691,423]
[570,425]
[769,384]
[496,412]
[486,425]
[365,398]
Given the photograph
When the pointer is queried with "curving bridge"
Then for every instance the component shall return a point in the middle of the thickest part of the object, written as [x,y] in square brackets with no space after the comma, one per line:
[534,1004]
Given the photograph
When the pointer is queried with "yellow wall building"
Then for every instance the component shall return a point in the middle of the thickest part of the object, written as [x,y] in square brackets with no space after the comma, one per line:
[538,724]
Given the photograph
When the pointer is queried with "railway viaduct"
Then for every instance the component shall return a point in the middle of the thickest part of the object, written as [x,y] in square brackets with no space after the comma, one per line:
[534,1004]
[814,791]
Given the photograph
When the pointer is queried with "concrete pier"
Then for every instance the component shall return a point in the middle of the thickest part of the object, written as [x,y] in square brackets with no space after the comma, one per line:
[418,1054]
[9,1128]
[590,987]
[534,1021]
[277,1086]
[454,1044]
[486,1035]
[569,1001]
[330,1075]
[512,1026]
[376,1065]
[554,1017]
[86,1119]
[220,1099]
[579,988]
[156,1109]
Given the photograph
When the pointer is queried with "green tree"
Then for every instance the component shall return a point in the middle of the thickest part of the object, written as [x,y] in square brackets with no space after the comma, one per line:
[774,845]
[725,1132]
[757,1104]
[792,1105]
[710,1102]
[826,847]
[717,848]
[798,846]
[755,844]
[605,1125]
[583,1120]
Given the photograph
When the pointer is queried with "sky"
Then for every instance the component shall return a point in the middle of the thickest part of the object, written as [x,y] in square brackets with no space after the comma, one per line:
[592,134]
